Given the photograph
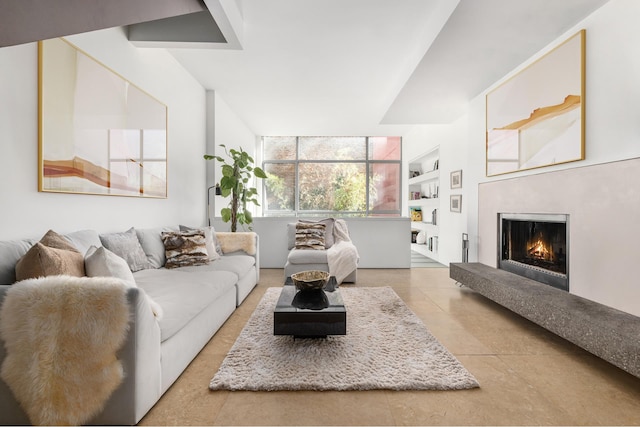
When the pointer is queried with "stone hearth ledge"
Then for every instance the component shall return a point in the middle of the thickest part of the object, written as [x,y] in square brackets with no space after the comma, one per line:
[610,334]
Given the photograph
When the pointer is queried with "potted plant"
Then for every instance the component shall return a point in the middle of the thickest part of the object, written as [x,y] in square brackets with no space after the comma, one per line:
[235,182]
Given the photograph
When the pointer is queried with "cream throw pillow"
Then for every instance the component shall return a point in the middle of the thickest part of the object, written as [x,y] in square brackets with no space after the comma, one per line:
[101,262]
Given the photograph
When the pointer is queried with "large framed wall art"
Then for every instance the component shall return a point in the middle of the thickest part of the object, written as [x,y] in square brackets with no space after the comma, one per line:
[536,118]
[98,132]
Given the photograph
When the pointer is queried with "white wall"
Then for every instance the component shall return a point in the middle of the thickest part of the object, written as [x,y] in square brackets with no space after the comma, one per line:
[387,247]
[452,140]
[27,213]
[612,133]
[230,130]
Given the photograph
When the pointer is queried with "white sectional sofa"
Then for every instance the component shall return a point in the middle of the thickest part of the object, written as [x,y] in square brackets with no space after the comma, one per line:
[195,301]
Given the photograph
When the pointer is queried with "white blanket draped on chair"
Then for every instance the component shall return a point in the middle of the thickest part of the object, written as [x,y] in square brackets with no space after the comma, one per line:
[342,256]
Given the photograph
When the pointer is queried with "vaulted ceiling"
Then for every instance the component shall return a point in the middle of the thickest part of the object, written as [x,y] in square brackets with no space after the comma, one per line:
[323,67]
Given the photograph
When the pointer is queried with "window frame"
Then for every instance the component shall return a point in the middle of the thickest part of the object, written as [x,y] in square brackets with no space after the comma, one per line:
[367,162]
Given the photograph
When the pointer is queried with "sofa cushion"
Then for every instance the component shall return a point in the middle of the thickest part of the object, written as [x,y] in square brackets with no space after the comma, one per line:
[151,242]
[182,295]
[127,246]
[101,262]
[52,255]
[10,252]
[82,240]
[185,248]
[237,264]
[310,235]
[303,256]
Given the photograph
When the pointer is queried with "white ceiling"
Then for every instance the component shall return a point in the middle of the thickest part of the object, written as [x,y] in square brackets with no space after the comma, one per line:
[373,67]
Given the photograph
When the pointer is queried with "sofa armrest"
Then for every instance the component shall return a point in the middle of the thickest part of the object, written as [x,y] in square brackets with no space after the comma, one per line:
[246,242]
[140,357]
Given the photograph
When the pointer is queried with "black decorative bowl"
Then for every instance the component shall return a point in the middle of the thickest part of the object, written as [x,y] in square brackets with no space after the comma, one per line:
[310,279]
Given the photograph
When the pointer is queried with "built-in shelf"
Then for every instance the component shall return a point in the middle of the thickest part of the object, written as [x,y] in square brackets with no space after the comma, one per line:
[425,202]
[424,186]
[433,175]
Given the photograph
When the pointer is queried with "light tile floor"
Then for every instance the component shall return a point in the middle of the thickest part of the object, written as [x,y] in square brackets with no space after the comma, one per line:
[527,375]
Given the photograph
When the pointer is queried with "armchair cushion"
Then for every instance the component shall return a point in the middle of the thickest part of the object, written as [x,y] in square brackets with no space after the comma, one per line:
[303,256]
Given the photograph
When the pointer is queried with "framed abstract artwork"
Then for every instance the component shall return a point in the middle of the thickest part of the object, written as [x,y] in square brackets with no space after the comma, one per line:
[536,118]
[455,203]
[456,179]
[98,132]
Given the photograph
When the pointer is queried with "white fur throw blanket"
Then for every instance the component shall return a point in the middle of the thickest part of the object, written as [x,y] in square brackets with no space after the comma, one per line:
[239,241]
[342,256]
[61,335]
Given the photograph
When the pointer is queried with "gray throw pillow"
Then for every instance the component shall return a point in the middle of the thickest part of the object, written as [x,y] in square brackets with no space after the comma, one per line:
[127,246]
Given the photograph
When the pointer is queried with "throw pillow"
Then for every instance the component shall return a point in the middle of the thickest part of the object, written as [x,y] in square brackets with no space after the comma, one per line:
[127,246]
[52,255]
[328,233]
[214,248]
[184,248]
[310,235]
[101,262]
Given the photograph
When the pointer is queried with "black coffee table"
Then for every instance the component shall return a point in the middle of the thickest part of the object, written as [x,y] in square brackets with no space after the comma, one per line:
[310,314]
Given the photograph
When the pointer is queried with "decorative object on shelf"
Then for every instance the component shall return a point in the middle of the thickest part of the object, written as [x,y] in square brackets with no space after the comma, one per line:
[414,235]
[421,238]
[234,183]
[416,214]
[455,203]
[436,165]
[536,118]
[434,217]
[98,133]
[415,195]
[456,179]
[415,173]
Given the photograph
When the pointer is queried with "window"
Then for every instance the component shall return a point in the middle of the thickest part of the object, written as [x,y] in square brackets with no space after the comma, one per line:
[353,176]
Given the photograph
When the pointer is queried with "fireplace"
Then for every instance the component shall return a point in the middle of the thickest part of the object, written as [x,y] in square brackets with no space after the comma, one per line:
[535,246]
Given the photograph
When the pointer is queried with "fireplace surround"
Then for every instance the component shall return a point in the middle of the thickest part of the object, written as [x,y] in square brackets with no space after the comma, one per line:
[535,246]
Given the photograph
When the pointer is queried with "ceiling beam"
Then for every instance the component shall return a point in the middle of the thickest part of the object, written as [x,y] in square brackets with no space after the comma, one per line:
[25,21]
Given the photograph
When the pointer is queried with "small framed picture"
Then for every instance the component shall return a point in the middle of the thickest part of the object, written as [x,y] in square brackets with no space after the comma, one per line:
[456,203]
[456,179]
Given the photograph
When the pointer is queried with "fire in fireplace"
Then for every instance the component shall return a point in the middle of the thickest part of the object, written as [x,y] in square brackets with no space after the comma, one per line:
[535,246]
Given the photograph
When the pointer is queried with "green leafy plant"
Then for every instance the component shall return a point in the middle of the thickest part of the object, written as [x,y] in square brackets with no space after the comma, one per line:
[236,174]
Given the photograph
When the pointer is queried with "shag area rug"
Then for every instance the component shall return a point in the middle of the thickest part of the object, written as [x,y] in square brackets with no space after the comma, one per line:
[386,347]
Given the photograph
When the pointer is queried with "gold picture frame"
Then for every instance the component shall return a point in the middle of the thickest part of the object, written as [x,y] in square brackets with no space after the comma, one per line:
[537,118]
[98,133]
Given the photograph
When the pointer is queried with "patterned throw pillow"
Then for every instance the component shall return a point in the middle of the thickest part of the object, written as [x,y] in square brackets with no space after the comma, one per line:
[328,231]
[52,255]
[211,241]
[310,235]
[184,248]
